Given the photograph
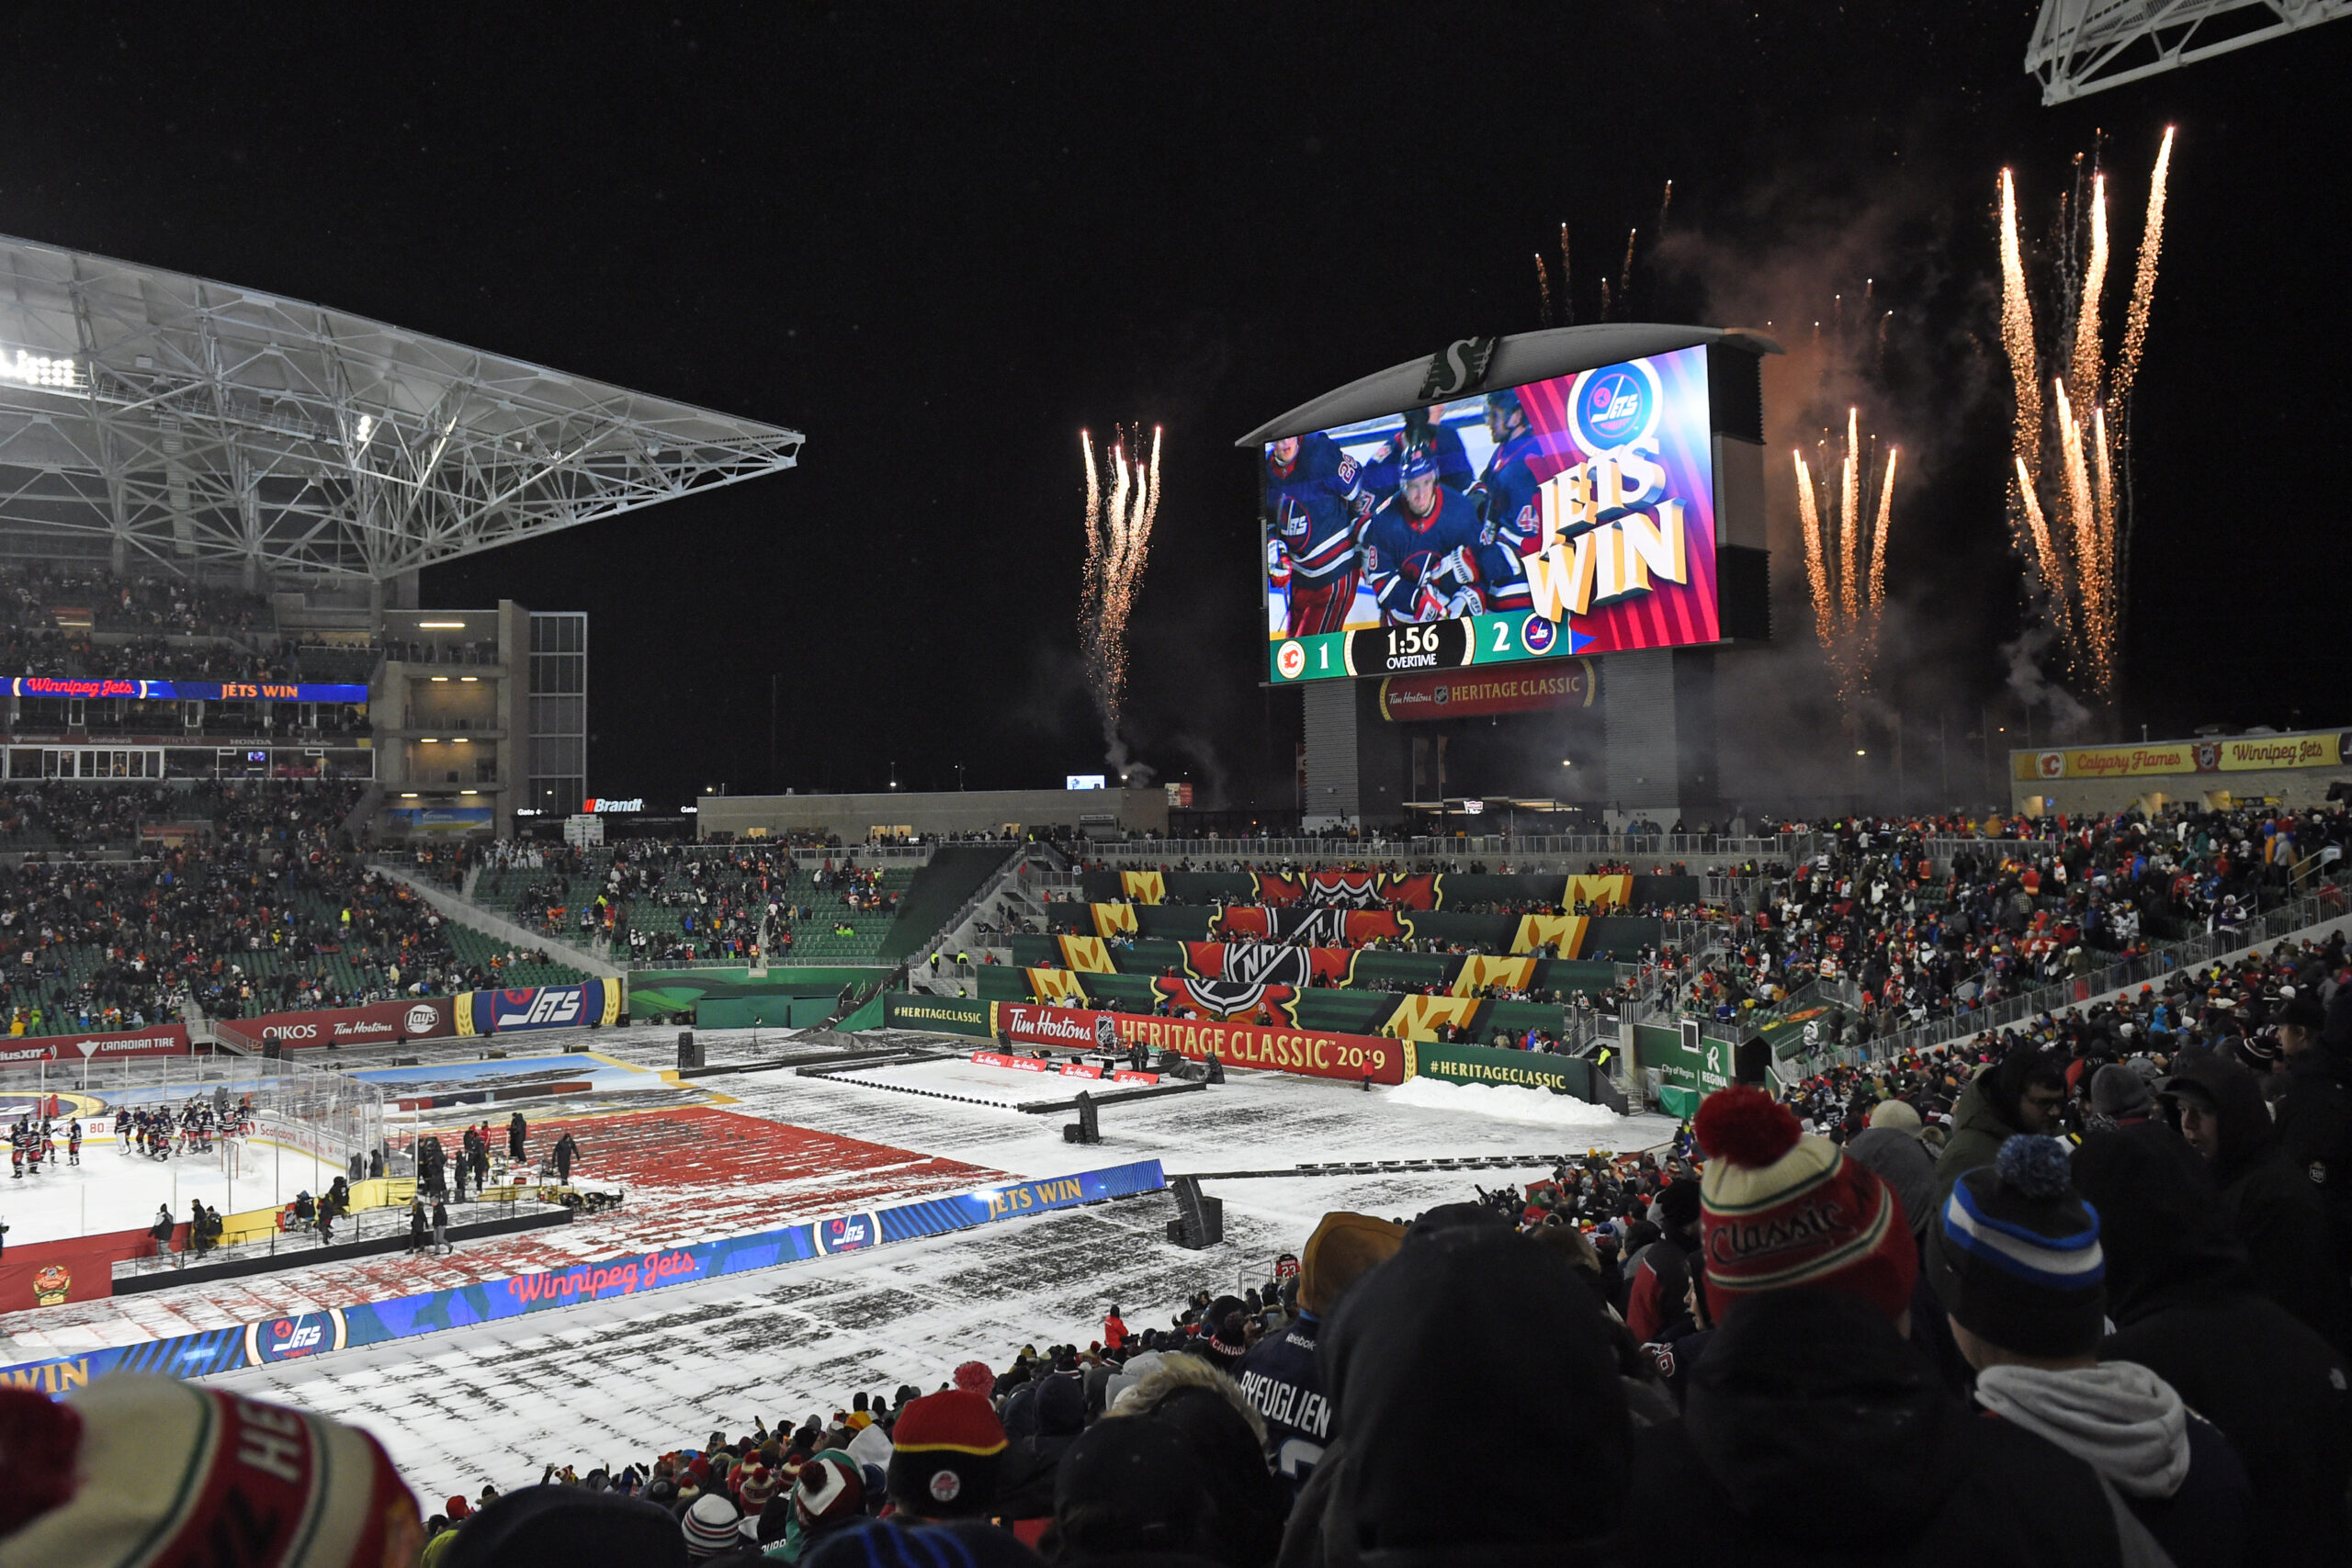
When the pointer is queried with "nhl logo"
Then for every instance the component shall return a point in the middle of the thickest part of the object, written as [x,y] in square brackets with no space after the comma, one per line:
[1106,1032]
[944,1485]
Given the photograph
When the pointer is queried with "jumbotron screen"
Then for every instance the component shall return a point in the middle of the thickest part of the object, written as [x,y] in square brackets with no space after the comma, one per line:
[1574,515]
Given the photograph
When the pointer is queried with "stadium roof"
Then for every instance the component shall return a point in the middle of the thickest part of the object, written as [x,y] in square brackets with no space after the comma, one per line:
[1517,360]
[204,426]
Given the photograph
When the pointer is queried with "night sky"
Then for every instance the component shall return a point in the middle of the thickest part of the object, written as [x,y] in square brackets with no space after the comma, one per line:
[939,240]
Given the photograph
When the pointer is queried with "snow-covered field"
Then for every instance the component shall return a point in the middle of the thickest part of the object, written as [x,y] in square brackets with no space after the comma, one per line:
[611,1381]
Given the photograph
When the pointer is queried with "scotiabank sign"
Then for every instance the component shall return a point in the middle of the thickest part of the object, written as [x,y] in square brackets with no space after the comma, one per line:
[427,1018]
[1309,1052]
[163,1039]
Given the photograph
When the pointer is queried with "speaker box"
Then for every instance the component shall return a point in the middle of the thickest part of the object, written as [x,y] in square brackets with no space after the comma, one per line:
[690,1050]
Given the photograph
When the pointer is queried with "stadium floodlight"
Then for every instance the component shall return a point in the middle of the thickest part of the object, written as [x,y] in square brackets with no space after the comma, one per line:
[2087,46]
[152,415]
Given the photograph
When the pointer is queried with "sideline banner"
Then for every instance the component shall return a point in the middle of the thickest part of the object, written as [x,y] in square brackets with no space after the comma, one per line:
[162,1040]
[1485,1064]
[490,1301]
[427,1017]
[93,689]
[943,1015]
[594,1002]
[1310,1054]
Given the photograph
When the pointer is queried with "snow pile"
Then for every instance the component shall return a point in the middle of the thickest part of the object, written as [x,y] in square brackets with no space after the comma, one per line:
[1507,1102]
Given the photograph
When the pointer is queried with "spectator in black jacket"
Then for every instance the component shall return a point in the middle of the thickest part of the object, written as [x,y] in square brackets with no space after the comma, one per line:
[2272,1209]
[2015,1257]
[2178,1291]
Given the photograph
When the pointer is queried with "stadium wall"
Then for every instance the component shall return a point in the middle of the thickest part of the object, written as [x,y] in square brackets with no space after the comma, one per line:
[726,998]
[854,818]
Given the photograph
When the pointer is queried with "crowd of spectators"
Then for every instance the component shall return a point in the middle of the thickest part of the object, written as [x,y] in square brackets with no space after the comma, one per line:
[2048,1324]
[1905,940]
[269,908]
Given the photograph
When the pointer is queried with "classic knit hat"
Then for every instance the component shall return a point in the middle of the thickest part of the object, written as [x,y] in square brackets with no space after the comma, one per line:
[829,1489]
[709,1525]
[2015,1255]
[944,1458]
[150,1468]
[758,1485]
[1783,1211]
[1344,1248]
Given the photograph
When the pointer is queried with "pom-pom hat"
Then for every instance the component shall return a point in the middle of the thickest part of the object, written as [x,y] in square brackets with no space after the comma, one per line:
[1780,1209]
[2015,1257]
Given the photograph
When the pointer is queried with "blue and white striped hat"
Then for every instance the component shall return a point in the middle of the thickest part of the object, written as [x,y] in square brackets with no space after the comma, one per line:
[2014,1254]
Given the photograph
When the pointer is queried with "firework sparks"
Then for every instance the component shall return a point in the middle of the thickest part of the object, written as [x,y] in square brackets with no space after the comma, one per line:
[2073,523]
[1848,587]
[1118,546]
[1543,287]
[1625,279]
[1568,283]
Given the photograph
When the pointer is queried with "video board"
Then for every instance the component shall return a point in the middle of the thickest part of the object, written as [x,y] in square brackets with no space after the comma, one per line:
[1566,516]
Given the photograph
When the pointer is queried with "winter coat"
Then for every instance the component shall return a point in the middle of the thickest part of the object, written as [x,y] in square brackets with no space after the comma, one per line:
[2177,1292]
[2314,1119]
[1024,1488]
[1812,1433]
[2173,1468]
[1394,1355]
[2271,1208]
[1978,1130]
[1661,1278]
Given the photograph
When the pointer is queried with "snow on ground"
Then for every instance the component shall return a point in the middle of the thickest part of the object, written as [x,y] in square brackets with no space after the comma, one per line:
[1507,1102]
[1009,1087]
[613,1381]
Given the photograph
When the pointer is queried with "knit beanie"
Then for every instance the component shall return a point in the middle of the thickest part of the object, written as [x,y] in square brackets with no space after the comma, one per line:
[2015,1257]
[1677,1206]
[758,1486]
[709,1527]
[1782,1210]
[143,1468]
[2117,1091]
[828,1492]
[944,1461]
[1344,1248]
[1895,1113]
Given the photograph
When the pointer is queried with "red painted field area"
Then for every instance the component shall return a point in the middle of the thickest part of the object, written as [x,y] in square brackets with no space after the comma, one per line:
[688,1175]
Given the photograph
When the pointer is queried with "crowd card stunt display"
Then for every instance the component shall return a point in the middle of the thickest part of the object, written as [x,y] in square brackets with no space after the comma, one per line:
[1570,516]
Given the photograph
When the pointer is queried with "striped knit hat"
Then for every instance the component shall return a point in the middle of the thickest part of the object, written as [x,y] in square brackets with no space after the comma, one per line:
[1783,1211]
[2014,1255]
[709,1527]
[147,1469]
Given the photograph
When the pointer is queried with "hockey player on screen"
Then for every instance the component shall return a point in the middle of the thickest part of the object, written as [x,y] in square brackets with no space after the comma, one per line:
[1383,467]
[1511,525]
[1420,549]
[1314,503]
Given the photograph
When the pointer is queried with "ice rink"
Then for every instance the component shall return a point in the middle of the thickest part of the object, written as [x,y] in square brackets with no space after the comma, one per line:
[114,1190]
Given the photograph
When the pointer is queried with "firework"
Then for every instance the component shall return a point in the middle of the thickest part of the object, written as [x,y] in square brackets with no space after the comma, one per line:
[1118,545]
[1568,283]
[1625,279]
[1543,287]
[1848,590]
[2071,522]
